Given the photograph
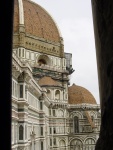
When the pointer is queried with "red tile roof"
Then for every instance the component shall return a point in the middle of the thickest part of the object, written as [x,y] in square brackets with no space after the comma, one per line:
[37,21]
[79,95]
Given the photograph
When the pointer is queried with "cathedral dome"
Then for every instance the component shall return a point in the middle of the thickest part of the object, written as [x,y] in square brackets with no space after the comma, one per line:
[36,20]
[79,95]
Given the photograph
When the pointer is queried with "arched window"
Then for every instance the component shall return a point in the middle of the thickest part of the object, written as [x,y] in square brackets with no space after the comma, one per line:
[41,61]
[21,132]
[54,112]
[49,93]
[57,95]
[76,144]
[19,52]
[60,113]
[76,124]
[62,145]
[21,91]
[41,105]
[90,144]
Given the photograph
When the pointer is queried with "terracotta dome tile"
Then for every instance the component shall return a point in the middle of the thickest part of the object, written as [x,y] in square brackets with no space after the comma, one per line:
[79,95]
[37,21]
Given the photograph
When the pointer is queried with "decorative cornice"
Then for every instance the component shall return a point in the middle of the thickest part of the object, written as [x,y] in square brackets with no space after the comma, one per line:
[84,106]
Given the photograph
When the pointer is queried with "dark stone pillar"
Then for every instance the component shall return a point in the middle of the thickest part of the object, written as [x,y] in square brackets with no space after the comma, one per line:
[103,30]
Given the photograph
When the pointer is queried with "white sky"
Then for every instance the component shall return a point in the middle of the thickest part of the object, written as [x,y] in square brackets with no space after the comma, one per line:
[74,19]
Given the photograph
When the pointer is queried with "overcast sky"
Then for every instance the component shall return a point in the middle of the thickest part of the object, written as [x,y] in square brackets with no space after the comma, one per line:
[74,19]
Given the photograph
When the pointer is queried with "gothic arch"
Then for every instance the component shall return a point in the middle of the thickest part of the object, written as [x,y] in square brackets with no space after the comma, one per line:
[76,113]
[76,139]
[87,138]
[62,144]
[76,144]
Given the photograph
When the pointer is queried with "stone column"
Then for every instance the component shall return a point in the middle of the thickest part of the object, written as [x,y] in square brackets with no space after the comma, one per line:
[103,30]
